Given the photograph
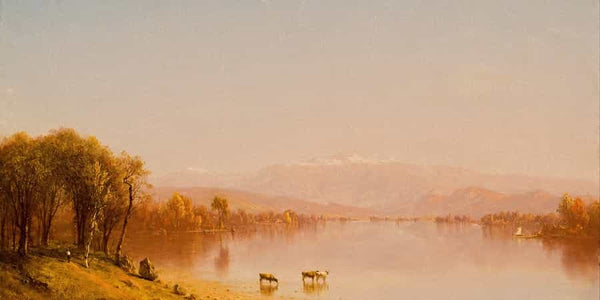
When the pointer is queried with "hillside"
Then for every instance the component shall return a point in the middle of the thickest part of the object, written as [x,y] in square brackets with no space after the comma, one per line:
[45,274]
[255,203]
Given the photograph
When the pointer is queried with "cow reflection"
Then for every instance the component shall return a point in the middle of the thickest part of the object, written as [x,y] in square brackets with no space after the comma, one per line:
[267,289]
[315,287]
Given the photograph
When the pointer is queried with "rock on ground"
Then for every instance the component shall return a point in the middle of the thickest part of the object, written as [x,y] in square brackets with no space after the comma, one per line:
[126,263]
[147,270]
[179,290]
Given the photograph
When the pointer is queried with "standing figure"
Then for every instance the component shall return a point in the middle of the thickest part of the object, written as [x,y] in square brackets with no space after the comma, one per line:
[68,255]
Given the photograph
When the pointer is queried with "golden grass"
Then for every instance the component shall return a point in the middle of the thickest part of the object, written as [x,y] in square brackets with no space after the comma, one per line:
[103,280]
[72,280]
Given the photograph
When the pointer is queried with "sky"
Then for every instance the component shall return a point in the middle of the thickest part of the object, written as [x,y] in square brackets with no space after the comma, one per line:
[233,86]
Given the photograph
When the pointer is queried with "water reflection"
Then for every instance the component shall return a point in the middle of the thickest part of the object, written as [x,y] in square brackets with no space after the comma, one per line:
[578,257]
[315,287]
[453,228]
[381,260]
[268,289]
[222,261]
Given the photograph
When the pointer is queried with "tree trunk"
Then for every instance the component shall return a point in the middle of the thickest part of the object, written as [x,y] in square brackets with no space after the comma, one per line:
[105,239]
[105,244]
[81,218]
[14,236]
[125,221]
[89,240]
[29,229]
[3,234]
[23,243]
[46,227]
[81,226]
[45,235]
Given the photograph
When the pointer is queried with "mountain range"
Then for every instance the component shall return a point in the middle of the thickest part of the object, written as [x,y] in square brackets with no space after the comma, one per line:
[391,187]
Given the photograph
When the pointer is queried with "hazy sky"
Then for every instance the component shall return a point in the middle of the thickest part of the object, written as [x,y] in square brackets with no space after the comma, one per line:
[496,86]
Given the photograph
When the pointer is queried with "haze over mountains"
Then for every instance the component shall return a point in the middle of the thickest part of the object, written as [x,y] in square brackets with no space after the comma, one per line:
[393,187]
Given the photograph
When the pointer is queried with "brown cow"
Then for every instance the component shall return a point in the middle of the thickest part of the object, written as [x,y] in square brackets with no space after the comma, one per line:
[309,274]
[269,277]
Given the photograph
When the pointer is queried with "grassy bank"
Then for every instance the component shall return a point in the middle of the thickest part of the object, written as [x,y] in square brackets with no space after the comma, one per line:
[45,274]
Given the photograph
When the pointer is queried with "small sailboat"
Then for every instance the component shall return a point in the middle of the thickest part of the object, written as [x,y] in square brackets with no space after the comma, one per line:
[519,231]
[519,234]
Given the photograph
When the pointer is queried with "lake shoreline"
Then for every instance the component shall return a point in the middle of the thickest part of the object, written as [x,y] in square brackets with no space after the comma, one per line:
[46,274]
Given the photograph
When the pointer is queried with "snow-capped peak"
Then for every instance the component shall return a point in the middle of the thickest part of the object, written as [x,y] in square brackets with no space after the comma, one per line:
[341,159]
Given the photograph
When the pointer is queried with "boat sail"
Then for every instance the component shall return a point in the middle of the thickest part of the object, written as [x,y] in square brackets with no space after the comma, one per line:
[519,231]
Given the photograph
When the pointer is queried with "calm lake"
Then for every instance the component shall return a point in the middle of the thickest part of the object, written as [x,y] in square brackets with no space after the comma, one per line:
[381,260]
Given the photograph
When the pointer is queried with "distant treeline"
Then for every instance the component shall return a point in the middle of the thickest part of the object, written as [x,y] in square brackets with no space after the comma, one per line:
[454,219]
[517,218]
[180,214]
[573,218]
[388,218]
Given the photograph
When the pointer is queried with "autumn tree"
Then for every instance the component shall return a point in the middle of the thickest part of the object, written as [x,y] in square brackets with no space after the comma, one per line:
[91,175]
[71,151]
[175,211]
[580,215]
[221,206]
[135,178]
[204,215]
[573,213]
[290,217]
[593,211]
[20,172]
[52,194]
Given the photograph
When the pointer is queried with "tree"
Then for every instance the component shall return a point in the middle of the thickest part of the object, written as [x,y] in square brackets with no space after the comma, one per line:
[72,151]
[175,212]
[573,214]
[221,205]
[52,189]
[593,211]
[20,170]
[135,177]
[204,215]
[290,217]
[92,178]
[564,209]
[580,215]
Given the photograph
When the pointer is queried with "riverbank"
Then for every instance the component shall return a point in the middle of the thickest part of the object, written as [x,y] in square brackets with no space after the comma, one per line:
[45,274]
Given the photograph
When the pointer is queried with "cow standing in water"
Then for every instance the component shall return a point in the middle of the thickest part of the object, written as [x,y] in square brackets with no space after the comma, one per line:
[322,275]
[309,274]
[269,277]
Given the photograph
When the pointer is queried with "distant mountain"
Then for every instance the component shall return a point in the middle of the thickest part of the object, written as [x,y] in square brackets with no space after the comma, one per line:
[382,185]
[476,202]
[256,203]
